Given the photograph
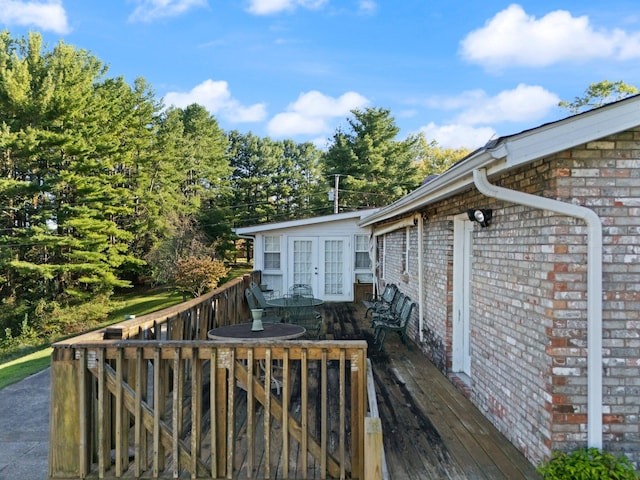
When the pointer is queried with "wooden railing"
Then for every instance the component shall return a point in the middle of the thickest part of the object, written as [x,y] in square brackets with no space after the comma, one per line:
[151,398]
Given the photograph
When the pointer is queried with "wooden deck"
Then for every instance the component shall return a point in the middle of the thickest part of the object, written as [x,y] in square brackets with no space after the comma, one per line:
[155,400]
[430,430]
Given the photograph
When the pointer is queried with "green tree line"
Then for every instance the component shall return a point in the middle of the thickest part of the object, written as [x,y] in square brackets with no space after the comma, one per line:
[102,187]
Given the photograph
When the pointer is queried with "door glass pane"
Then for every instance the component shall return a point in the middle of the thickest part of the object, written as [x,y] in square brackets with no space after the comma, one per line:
[333,267]
[303,261]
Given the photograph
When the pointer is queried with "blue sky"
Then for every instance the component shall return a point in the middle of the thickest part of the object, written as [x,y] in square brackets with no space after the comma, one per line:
[460,71]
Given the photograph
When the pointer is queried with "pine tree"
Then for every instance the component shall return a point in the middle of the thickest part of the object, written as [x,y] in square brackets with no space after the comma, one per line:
[374,168]
[62,193]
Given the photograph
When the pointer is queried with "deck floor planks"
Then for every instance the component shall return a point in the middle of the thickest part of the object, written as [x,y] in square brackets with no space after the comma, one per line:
[430,430]
[409,451]
[476,449]
[459,437]
[499,450]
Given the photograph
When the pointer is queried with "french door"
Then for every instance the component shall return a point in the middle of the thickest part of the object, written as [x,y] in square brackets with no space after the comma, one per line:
[324,263]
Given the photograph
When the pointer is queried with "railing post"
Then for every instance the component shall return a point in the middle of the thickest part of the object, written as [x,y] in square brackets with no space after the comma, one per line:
[372,448]
[65,421]
[358,411]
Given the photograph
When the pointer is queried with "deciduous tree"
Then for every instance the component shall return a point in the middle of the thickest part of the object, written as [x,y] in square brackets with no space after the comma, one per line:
[434,160]
[598,94]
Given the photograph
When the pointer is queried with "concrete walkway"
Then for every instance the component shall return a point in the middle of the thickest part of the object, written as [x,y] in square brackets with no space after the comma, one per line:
[24,428]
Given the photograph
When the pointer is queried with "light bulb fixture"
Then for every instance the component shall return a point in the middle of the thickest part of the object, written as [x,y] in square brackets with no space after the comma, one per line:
[480,215]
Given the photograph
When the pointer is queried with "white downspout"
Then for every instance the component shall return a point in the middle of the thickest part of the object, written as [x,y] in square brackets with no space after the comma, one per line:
[373,251]
[594,289]
[420,275]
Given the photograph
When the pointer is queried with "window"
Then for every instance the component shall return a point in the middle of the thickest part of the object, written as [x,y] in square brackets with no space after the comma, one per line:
[271,252]
[363,260]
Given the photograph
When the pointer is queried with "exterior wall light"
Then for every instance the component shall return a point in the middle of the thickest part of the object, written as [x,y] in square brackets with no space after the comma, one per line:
[480,215]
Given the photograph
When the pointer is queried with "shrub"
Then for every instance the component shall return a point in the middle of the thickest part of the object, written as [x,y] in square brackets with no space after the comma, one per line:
[57,320]
[196,275]
[587,464]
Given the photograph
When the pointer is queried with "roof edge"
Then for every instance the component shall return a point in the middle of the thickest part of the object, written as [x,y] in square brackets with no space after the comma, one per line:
[512,151]
[265,227]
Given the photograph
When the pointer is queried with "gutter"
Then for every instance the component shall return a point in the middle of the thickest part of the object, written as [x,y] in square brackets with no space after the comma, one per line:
[420,276]
[594,288]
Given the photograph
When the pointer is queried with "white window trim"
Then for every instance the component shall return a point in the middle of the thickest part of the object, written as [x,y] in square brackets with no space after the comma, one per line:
[265,251]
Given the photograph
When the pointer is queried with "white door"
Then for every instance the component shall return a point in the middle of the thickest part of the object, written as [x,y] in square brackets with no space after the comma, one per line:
[335,269]
[324,263]
[462,256]
[303,262]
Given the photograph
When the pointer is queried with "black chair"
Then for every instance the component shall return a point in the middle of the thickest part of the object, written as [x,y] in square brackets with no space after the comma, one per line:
[301,290]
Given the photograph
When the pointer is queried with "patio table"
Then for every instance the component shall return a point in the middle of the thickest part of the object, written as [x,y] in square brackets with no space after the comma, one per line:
[242,331]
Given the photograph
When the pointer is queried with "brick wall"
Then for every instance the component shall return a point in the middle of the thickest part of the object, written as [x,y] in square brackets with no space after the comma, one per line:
[404,276]
[528,299]
[605,176]
[438,241]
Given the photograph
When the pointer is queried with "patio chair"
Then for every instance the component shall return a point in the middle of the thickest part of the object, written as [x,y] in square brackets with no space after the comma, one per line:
[391,310]
[269,315]
[390,316]
[301,312]
[260,298]
[301,290]
[399,326]
[385,302]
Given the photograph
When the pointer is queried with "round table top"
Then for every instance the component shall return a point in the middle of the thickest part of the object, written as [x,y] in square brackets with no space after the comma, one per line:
[242,331]
[295,302]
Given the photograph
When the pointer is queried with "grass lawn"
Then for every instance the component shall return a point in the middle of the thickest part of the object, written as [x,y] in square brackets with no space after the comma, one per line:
[137,302]
[15,370]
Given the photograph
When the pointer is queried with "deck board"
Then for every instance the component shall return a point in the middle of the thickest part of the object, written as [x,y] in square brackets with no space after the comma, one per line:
[430,429]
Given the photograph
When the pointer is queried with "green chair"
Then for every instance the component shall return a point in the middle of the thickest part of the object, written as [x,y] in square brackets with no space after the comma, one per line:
[301,312]
[269,315]
[385,302]
[393,323]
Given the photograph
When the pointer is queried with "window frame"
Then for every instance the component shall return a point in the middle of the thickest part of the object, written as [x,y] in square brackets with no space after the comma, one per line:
[357,267]
[267,249]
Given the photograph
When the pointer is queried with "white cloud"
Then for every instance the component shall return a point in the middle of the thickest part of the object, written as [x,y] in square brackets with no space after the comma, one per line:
[217,99]
[524,103]
[149,10]
[475,110]
[367,7]
[456,135]
[311,112]
[267,7]
[514,38]
[47,16]
[294,123]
